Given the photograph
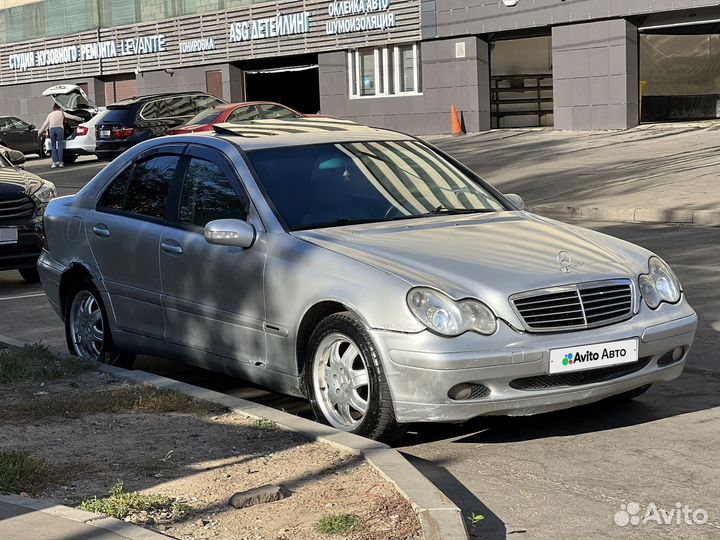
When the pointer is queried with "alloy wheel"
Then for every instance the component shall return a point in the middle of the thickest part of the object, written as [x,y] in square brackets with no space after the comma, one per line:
[86,325]
[341,381]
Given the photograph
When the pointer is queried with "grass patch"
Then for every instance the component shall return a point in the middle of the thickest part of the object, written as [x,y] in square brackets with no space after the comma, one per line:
[21,471]
[264,423]
[38,362]
[121,504]
[134,398]
[338,524]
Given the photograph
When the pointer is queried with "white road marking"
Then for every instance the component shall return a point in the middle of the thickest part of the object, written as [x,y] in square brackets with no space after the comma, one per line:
[21,296]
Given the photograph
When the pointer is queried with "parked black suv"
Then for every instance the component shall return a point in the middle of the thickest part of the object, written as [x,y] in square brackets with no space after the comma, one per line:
[137,119]
[23,198]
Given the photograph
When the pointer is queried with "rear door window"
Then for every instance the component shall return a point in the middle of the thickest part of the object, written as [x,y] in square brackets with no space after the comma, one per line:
[206,102]
[142,188]
[243,114]
[176,106]
[271,110]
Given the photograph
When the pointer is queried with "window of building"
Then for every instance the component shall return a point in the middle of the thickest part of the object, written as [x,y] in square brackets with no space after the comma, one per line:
[384,71]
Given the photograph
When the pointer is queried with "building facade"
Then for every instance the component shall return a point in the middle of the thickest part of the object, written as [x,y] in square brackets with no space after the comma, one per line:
[401,64]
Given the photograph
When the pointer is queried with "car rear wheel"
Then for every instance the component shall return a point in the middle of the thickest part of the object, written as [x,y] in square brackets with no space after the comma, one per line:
[43,152]
[30,274]
[87,330]
[345,381]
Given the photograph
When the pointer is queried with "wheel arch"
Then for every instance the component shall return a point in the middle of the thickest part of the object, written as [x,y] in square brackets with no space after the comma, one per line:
[73,275]
[309,322]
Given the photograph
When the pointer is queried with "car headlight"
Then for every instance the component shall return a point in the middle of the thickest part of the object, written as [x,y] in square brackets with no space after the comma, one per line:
[660,284]
[449,317]
[45,193]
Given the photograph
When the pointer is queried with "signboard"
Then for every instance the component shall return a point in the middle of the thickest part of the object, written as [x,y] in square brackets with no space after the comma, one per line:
[88,51]
[267,29]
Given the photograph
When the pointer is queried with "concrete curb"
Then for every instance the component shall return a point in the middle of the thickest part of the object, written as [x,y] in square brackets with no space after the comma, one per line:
[121,528]
[630,215]
[439,518]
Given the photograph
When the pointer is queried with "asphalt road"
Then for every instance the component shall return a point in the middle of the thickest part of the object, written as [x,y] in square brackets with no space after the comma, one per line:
[558,475]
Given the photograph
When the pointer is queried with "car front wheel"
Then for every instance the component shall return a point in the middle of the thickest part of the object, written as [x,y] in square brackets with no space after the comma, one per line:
[87,330]
[345,381]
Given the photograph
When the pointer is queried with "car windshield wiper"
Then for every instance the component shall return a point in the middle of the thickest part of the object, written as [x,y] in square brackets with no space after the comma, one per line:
[339,223]
[451,211]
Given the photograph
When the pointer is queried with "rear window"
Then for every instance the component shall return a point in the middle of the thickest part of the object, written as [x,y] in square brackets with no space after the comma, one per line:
[206,117]
[124,116]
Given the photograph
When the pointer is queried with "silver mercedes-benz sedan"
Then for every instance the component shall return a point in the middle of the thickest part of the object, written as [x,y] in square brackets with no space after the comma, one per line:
[361,268]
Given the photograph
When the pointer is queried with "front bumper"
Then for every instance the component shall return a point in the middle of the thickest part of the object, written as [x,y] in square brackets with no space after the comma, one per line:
[422,368]
[25,253]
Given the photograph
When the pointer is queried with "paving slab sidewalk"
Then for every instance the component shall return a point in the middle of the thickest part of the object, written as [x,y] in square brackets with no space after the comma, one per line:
[659,173]
[22,518]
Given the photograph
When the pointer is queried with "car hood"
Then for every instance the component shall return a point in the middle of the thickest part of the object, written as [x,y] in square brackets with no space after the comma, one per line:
[488,256]
[16,182]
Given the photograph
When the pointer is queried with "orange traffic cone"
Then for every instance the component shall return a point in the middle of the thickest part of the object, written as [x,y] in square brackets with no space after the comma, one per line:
[456,125]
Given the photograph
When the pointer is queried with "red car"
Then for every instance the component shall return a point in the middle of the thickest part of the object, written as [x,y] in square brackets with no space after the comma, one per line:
[235,113]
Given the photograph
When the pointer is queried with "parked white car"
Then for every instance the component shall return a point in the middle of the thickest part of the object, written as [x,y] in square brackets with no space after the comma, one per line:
[73,100]
[82,141]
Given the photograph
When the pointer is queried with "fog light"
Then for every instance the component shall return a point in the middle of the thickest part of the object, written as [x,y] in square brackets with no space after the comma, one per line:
[677,353]
[464,391]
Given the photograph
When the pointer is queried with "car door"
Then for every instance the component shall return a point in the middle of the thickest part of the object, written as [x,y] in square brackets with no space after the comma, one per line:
[26,136]
[8,135]
[213,296]
[124,232]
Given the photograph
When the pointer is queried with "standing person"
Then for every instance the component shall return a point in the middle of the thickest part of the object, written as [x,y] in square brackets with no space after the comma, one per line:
[56,122]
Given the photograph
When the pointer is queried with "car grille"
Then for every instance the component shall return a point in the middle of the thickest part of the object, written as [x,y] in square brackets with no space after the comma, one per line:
[16,209]
[578,378]
[575,307]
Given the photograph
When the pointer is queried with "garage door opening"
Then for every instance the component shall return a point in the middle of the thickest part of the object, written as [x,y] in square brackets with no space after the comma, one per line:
[679,69]
[521,83]
[291,82]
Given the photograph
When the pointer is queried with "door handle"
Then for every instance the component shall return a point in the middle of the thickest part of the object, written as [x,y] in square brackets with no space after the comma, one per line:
[172,247]
[101,230]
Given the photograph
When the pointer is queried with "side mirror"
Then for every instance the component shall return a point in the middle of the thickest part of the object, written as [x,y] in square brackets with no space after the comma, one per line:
[31,127]
[516,199]
[15,157]
[230,232]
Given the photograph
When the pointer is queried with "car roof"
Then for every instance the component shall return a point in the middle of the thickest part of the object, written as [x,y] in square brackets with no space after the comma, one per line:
[273,133]
[148,97]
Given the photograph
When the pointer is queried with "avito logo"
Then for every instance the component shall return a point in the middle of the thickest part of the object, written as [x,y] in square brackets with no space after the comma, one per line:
[590,356]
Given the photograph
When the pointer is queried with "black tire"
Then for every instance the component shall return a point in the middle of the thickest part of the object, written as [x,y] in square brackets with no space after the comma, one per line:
[30,275]
[42,152]
[70,158]
[108,353]
[630,394]
[378,422]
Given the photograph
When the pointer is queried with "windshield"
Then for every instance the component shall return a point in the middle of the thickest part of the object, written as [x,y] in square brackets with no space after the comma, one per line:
[340,184]
[208,116]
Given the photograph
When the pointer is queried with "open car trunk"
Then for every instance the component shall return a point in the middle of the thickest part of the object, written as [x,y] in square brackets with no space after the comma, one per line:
[73,100]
